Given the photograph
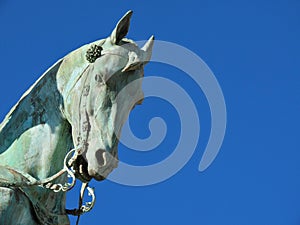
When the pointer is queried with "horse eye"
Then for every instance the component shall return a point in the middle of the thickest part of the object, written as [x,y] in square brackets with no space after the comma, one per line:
[141,66]
[99,79]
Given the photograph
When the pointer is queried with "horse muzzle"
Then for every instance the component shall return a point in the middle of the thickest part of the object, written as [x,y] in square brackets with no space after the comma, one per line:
[96,164]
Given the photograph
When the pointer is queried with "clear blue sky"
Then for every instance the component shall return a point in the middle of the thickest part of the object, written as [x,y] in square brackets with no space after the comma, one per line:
[253,49]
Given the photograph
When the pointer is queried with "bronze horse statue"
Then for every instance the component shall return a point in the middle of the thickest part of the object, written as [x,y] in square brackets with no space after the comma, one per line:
[66,127]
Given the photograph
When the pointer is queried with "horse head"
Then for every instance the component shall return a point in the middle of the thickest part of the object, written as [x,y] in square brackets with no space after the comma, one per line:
[102,98]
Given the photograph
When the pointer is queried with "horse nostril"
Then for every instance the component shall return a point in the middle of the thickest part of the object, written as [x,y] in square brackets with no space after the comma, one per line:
[100,157]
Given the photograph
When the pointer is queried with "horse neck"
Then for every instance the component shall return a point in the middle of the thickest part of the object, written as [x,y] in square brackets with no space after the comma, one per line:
[34,137]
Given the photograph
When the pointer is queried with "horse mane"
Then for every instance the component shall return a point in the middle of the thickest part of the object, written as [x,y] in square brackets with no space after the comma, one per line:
[27,112]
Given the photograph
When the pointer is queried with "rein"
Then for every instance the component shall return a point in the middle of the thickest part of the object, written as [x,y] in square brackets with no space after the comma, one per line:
[57,187]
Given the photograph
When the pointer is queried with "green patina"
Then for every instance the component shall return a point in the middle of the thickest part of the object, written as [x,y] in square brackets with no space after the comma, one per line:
[47,122]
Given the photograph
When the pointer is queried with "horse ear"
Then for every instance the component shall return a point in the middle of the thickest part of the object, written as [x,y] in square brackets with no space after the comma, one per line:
[147,49]
[121,29]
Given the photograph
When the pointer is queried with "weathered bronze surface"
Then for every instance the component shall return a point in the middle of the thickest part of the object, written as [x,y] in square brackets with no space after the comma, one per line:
[75,103]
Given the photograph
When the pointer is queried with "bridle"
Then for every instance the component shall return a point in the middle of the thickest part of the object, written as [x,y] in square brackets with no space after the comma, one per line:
[70,158]
[92,54]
